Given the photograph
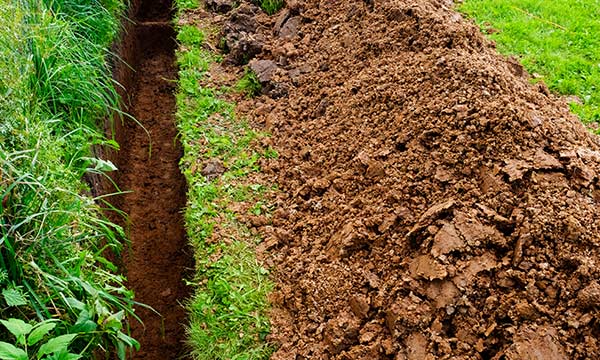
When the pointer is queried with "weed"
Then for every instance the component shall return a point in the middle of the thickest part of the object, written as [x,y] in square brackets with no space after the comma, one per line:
[183,5]
[190,36]
[271,6]
[249,84]
[28,339]
[555,39]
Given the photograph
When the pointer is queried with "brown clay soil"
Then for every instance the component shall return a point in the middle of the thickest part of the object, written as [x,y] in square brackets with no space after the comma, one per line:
[434,203]
[158,258]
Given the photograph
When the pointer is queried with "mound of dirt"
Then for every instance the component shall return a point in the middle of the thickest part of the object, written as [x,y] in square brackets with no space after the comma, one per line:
[433,203]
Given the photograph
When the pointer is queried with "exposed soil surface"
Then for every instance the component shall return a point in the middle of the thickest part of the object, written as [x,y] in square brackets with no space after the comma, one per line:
[158,258]
[433,204]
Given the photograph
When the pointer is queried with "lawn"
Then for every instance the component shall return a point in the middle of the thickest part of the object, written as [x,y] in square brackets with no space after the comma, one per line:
[228,311]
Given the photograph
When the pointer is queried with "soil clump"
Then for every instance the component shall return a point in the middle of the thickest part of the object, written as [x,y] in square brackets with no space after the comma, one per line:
[433,202]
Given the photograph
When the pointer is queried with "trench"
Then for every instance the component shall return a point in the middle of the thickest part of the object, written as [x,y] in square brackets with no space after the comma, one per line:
[158,257]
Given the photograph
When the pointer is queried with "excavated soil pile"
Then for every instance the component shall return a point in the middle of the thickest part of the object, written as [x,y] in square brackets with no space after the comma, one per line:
[433,203]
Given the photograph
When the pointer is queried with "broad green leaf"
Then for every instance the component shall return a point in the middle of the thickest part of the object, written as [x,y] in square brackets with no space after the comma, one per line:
[101,165]
[18,328]
[128,340]
[63,355]
[121,351]
[39,332]
[13,297]
[10,352]
[86,326]
[84,316]
[74,303]
[59,343]
[114,321]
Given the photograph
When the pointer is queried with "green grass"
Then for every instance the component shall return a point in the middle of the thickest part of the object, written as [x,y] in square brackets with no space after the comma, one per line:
[183,5]
[555,39]
[249,84]
[228,312]
[271,6]
[55,92]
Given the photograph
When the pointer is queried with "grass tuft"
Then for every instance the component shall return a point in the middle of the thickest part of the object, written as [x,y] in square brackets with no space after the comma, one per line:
[190,36]
[271,6]
[249,84]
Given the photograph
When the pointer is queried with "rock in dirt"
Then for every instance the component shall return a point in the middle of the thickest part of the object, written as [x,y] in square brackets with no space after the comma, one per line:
[212,169]
[264,69]
[240,39]
[270,76]
[290,28]
[219,6]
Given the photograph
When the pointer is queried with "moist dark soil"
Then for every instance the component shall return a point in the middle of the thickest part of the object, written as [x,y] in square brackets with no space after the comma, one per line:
[158,258]
[433,202]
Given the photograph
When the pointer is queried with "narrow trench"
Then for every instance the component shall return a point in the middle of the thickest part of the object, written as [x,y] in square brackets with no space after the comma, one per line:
[158,257]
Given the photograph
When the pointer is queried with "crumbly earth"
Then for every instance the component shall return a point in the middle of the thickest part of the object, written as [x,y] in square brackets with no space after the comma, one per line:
[433,202]
[154,190]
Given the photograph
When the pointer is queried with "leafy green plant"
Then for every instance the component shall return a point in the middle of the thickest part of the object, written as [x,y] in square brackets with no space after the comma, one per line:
[249,84]
[28,339]
[271,6]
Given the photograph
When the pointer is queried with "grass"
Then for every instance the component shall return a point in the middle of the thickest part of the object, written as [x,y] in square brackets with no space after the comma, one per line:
[228,312]
[271,6]
[249,84]
[55,92]
[556,39]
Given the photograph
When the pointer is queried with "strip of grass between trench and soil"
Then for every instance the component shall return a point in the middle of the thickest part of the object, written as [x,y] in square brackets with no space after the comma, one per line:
[228,311]
[557,41]
[60,297]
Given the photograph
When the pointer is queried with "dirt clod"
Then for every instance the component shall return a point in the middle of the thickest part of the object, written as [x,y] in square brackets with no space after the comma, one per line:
[536,344]
[239,38]
[220,6]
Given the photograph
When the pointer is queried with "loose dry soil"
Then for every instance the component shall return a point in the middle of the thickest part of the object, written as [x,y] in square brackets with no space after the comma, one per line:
[433,202]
